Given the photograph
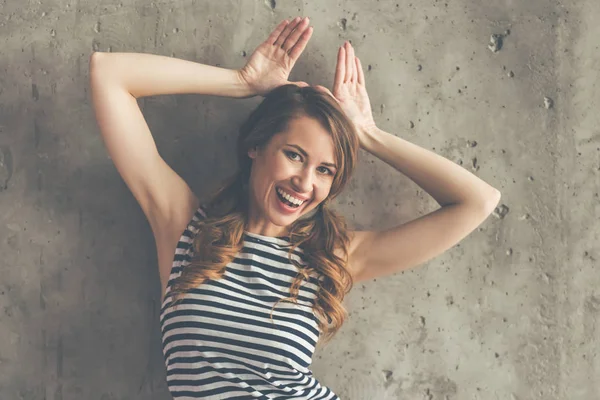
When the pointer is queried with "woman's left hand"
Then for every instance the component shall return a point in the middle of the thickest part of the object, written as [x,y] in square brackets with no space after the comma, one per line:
[271,63]
[350,91]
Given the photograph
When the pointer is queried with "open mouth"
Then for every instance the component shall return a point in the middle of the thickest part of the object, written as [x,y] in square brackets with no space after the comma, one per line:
[285,202]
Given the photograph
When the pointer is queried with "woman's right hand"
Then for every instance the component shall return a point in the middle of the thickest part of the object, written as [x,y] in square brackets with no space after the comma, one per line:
[350,91]
[270,64]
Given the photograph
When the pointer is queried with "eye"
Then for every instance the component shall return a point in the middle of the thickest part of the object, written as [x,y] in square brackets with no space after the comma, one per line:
[291,152]
[327,170]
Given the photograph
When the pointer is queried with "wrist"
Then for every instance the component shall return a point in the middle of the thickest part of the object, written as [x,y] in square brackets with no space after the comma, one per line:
[244,89]
[368,135]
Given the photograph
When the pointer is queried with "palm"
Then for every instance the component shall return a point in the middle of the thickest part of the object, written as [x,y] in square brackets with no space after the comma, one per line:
[265,70]
[271,63]
[350,91]
[354,100]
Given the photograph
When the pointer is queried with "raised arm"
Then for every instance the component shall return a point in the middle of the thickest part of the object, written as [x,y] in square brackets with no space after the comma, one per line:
[465,200]
[142,74]
[118,79]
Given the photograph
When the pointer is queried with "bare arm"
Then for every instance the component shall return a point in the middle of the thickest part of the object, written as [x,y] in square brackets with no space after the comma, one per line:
[142,74]
[161,193]
[269,66]
[447,182]
[465,200]
[118,79]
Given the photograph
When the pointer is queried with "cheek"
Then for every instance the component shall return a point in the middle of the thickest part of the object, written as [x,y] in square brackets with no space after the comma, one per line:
[279,168]
[322,194]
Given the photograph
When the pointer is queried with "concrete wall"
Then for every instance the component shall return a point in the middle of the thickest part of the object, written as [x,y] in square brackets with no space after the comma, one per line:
[512,312]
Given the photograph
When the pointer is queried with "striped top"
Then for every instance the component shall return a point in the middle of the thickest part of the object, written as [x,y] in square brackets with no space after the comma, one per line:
[219,341]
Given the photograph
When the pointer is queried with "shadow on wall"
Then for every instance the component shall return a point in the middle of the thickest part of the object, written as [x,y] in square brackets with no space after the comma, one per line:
[80,287]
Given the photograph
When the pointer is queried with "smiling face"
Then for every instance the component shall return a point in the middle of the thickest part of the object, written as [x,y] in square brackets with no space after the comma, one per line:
[299,161]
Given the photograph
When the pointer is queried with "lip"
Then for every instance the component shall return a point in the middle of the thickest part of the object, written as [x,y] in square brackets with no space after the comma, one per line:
[293,193]
[284,208]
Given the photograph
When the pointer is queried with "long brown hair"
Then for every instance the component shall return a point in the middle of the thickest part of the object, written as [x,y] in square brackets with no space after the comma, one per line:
[220,235]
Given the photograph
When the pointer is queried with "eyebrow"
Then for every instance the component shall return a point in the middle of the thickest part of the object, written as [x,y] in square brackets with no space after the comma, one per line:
[301,150]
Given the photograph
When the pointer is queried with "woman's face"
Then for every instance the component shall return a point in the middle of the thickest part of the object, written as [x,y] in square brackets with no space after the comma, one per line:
[282,165]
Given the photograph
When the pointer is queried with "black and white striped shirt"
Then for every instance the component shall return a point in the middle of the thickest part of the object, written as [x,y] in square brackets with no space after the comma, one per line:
[220,343]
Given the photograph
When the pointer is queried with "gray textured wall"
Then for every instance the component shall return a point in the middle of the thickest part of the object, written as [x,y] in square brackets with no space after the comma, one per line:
[512,312]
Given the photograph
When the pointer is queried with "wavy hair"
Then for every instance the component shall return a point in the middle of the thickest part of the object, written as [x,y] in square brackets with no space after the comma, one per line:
[220,235]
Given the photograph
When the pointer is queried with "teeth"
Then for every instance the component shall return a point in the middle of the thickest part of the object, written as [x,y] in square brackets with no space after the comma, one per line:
[290,198]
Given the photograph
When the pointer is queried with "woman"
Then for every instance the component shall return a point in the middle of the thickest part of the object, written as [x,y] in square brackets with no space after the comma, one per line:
[260,272]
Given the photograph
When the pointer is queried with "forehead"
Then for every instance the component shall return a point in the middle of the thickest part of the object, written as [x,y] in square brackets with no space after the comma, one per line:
[309,134]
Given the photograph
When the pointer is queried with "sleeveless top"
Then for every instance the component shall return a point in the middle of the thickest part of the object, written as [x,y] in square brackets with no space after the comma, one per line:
[219,342]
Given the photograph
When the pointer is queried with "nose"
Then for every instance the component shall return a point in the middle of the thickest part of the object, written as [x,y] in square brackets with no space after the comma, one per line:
[303,181]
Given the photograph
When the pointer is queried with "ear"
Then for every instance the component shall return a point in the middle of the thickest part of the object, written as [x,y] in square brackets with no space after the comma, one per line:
[252,152]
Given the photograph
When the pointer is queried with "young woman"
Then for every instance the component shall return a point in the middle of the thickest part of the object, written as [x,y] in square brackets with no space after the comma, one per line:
[259,274]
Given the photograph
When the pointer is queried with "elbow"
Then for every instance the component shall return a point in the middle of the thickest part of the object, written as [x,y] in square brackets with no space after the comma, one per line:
[98,62]
[94,61]
[93,65]
[96,55]
[101,70]
[493,201]
[486,203]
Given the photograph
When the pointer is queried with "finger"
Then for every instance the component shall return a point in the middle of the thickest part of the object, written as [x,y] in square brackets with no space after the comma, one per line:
[292,39]
[286,32]
[340,69]
[294,34]
[275,34]
[361,74]
[349,62]
[351,57]
[301,44]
